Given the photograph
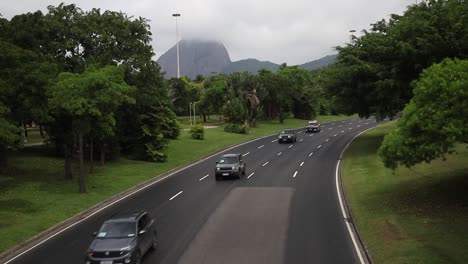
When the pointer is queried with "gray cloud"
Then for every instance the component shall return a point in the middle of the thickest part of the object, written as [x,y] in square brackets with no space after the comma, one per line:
[294,31]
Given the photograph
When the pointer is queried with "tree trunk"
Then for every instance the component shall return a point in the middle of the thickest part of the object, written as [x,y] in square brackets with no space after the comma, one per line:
[204,118]
[25,130]
[81,175]
[41,131]
[103,154]
[68,161]
[3,158]
[91,157]
[281,117]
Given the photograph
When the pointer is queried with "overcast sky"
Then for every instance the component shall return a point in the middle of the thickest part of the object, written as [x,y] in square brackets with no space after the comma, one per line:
[294,31]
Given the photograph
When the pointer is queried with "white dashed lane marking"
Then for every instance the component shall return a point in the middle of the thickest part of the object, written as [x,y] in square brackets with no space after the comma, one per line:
[319,146]
[342,131]
[246,154]
[279,153]
[330,128]
[290,146]
[327,140]
[273,141]
[302,163]
[261,146]
[311,154]
[250,175]
[264,164]
[202,178]
[295,173]
[299,132]
[170,199]
[335,135]
[301,139]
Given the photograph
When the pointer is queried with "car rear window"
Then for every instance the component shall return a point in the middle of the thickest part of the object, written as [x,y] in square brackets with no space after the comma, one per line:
[117,230]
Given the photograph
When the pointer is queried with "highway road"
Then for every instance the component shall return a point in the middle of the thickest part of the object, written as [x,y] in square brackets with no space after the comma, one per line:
[285,210]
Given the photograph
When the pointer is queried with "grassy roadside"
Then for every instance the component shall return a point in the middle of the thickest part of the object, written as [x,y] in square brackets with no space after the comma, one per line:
[415,215]
[34,196]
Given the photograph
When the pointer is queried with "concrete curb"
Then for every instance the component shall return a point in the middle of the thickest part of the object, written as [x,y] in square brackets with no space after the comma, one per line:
[349,218]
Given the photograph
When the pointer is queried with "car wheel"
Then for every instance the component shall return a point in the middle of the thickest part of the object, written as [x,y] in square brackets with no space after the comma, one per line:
[217,178]
[154,245]
[243,171]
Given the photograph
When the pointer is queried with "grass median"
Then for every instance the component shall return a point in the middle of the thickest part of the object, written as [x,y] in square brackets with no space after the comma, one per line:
[416,215]
[34,196]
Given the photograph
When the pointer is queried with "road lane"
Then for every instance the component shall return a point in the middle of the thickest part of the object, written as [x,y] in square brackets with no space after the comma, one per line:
[179,220]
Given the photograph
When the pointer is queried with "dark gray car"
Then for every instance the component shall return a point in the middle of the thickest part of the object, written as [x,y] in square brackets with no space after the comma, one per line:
[230,165]
[287,135]
[124,238]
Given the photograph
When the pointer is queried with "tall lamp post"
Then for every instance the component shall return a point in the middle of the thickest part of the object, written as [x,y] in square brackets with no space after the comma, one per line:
[176,15]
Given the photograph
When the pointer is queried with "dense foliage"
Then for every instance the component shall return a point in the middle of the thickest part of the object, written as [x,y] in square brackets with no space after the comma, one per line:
[435,119]
[375,71]
[197,131]
[89,79]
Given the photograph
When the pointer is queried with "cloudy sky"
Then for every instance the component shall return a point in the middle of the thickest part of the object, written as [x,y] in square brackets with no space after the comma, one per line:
[291,31]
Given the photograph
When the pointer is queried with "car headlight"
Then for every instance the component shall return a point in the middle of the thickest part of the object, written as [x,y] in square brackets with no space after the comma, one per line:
[234,167]
[279,136]
[218,168]
[289,136]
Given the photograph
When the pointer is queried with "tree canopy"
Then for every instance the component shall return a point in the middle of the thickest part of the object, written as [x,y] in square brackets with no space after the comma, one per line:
[435,119]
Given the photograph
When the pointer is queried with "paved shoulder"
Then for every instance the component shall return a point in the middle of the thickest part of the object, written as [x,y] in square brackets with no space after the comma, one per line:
[249,226]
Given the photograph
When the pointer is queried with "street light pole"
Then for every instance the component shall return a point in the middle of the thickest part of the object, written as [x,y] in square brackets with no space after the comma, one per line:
[194,116]
[176,15]
[190,110]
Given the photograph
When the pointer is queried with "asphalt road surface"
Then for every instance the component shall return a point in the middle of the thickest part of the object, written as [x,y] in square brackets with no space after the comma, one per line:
[285,210]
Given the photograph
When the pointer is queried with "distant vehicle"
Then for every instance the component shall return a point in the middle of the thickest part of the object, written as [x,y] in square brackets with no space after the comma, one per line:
[230,165]
[124,239]
[287,135]
[312,126]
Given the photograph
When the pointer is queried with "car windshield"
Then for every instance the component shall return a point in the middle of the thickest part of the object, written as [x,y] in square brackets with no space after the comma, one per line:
[286,131]
[117,230]
[228,160]
[313,123]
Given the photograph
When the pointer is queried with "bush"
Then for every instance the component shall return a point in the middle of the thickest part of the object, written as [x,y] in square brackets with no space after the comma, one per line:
[236,128]
[197,131]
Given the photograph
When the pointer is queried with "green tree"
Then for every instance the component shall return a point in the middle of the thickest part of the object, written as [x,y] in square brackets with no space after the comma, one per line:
[89,99]
[9,135]
[376,69]
[435,119]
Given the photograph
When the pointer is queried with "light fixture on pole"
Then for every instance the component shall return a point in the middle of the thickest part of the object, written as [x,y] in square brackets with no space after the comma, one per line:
[176,15]
[194,116]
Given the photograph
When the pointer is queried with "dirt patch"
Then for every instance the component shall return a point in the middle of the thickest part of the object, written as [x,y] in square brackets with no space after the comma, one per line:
[389,232]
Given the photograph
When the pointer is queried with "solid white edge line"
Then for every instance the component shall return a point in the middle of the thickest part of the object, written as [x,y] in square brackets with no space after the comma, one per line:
[265,164]
[295,173]
[250,175]
[170,199]
[302,163]
[340,199]
[202,178]
[130,194]
[246,154]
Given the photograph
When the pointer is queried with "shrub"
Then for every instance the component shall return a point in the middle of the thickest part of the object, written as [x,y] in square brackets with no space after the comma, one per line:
[237,128]
[197,131]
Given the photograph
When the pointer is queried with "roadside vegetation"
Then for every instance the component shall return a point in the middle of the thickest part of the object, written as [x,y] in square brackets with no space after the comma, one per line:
[408,215]
[35,196]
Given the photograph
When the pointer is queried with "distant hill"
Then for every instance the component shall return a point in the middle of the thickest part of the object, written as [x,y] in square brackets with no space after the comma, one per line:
[251,65]
[211,57]
[320,63]
[196,57]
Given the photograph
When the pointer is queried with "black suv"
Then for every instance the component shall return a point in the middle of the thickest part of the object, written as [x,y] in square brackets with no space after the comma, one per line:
[230,165]
[124,239]
[287,135]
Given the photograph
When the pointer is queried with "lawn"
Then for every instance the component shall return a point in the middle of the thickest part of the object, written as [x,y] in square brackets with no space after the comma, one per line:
[34,196]
[416,215]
